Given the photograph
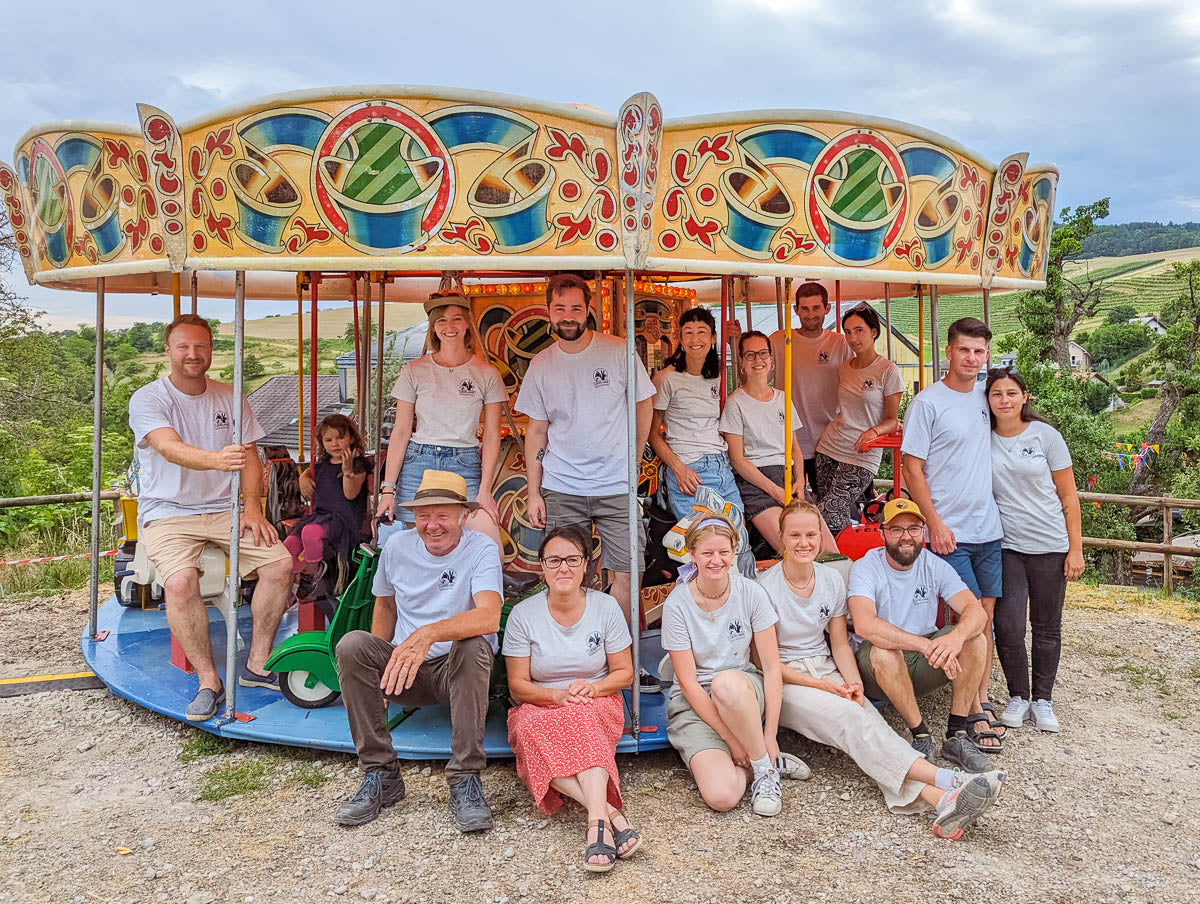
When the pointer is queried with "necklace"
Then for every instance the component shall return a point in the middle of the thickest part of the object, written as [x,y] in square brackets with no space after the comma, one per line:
[1008,443]
[799,589]
[717,598]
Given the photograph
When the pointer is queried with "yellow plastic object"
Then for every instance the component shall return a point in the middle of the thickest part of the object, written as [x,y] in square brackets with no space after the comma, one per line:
[127,509]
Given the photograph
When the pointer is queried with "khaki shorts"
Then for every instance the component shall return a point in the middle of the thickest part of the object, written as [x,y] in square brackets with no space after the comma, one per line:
[689,734]
[925,678]
[608,514]
[173,544]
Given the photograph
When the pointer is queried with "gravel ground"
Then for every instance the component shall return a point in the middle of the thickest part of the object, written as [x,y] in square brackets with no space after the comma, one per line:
[98,805]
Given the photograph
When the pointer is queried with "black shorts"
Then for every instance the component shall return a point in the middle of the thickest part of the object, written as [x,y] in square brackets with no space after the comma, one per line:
[754,500]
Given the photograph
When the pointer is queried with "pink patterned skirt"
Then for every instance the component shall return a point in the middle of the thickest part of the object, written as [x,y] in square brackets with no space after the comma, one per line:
[559,741]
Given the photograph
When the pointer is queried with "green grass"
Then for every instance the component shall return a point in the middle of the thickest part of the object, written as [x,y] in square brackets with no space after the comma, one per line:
[1142,676]
[1106,273]
[235,779]
[309,776]
[1136,417]
[200,744]
[1194,673]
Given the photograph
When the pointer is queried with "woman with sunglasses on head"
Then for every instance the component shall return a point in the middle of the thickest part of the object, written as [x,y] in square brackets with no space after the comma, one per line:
[869,390]
[446,390]
[567,652]
[1033,484]
[688,405]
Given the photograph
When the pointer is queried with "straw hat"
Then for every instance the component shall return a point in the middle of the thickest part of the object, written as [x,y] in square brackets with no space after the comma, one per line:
[900,506]
[441,488]
[441,299]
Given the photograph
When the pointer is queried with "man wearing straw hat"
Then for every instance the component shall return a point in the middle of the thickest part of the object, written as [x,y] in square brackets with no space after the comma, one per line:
[432,641]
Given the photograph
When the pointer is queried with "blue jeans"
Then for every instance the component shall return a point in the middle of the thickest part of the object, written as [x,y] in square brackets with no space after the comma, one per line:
[419,458]
[980,567]
[714,472]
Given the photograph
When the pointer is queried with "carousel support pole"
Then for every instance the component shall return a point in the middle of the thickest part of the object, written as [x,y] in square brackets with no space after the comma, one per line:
[175,290]
[97,432]
[364,359]
[379,393]
[357,378]
[987,308]
[195,290]
[633,460]
[235,499]
[887,316]
[724,320]
[300,363]
[921,338]
[313,279]
[837,296]
[779,306]
[788,464]
[933,329]
[746,301]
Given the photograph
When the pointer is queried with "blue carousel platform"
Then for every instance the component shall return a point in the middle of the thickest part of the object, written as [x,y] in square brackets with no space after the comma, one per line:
[133,661]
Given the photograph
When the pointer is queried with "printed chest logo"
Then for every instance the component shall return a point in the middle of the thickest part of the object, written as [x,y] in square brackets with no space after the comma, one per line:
[983,413]
[868,383]
[466,387]
[824,613]
[221,420]
[600,377]
[823,357]
[716,393]
[594,642]
[447,579]
[920,594]
[1028,451]
[782,417]
[736,629]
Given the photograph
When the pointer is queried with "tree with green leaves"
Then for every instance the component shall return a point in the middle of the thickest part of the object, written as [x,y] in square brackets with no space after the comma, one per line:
[1122,313]
[1052,312]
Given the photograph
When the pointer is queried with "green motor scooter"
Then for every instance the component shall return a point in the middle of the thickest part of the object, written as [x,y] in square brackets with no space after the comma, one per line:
[305,662]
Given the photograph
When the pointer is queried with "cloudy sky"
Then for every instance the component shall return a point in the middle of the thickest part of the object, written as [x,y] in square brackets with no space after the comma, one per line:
[1109,90]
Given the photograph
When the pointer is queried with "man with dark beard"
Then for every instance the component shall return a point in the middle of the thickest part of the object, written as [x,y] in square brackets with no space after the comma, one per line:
[574,395]
[893,600]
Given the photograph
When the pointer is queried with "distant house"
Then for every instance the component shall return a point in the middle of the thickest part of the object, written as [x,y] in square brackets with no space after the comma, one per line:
[275,405]
[1081,358]
[1149,320]
[402,345]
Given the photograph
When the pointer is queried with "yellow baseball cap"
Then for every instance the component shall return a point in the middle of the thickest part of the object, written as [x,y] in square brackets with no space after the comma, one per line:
[901,506]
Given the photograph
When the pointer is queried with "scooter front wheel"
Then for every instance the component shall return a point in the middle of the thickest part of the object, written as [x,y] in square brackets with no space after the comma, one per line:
[306,690]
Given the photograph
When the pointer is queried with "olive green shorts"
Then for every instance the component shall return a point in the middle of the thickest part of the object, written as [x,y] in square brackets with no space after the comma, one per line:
[925,678]
[689,734]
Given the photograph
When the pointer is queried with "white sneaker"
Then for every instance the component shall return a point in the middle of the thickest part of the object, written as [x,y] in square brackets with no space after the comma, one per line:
[766,797]
[791,766]
[961,807]
[1015,713]
[1043,716]
[648,683]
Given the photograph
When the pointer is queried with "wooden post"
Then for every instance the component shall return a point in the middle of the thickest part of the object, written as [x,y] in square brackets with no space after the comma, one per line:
[300,363]
[1168,562]
[887,316]
[779,305]
[921,339]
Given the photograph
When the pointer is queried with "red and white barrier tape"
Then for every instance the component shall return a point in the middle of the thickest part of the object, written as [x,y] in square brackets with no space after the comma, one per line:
[80,555]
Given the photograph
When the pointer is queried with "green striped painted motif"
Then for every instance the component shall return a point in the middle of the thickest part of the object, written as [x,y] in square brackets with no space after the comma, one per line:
[380,174]
[860,197]
[50,206]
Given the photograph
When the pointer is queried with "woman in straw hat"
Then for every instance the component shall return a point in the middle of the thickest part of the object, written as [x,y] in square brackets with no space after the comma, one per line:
[439,399]
[568,656]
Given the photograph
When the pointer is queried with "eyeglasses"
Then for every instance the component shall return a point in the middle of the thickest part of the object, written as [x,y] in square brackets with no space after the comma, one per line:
[764,355]
[553,563]
[913,530]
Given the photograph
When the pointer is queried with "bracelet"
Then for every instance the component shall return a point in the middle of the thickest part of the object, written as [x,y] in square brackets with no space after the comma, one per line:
[391,492]
[388,485]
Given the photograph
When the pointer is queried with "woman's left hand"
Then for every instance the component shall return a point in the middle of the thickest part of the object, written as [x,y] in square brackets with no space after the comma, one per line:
[581,691]
[865,437]
[488,505]
[1074,565]
[854,691]
[772,745]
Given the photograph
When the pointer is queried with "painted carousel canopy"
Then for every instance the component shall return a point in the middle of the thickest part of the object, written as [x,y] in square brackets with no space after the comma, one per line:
[417,179]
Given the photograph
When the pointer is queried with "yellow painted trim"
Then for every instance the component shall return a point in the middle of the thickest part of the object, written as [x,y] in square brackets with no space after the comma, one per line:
[32,678]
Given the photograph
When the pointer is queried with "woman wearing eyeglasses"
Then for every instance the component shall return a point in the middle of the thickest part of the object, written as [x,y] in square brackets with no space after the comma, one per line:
[869,389]
[568,657]
[446,390]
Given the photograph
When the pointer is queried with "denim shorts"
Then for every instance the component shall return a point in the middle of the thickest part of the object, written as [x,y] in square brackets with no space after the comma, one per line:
[419,458]
[714,472]
[980,567]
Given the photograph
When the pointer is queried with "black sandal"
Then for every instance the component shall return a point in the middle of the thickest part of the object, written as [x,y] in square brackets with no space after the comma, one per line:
[994,724]
[601,847]
[976,736]
[620,836]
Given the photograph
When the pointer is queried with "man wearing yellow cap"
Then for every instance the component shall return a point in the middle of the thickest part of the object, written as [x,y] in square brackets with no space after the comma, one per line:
[432,641]
[893,599]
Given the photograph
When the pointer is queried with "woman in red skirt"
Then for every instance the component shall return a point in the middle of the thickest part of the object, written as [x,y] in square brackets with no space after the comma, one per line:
[568,656]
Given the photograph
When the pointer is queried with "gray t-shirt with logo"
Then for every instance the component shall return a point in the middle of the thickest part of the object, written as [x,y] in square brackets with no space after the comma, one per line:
[861,394]
[760,425]
[1023,487]
[448,400]
[906,599]
[431,588]
[802,620]
[815,364]
[721,639]
[952,432]
[204,421]
[561,655]
[582,396]
[691,407]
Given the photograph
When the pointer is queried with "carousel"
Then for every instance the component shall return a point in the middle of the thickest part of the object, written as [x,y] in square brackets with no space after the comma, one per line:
[378,195]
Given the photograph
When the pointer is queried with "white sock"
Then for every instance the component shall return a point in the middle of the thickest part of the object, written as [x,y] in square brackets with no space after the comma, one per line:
[760,766]
[944,780]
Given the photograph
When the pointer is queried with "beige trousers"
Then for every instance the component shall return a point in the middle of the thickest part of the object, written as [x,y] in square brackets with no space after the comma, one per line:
[858,731]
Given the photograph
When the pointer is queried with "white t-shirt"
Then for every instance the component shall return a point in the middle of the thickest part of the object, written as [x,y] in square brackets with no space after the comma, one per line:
[430,588]
[448,400]
[691,407]
[906,599]
[721,639]
[204,421]
[559,655]
[802,620]
[760,425]
[952,432]
[815,364]
[1023,487]
[582,396]
[860,407]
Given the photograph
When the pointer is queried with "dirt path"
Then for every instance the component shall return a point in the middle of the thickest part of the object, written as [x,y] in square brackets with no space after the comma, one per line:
[98,806]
